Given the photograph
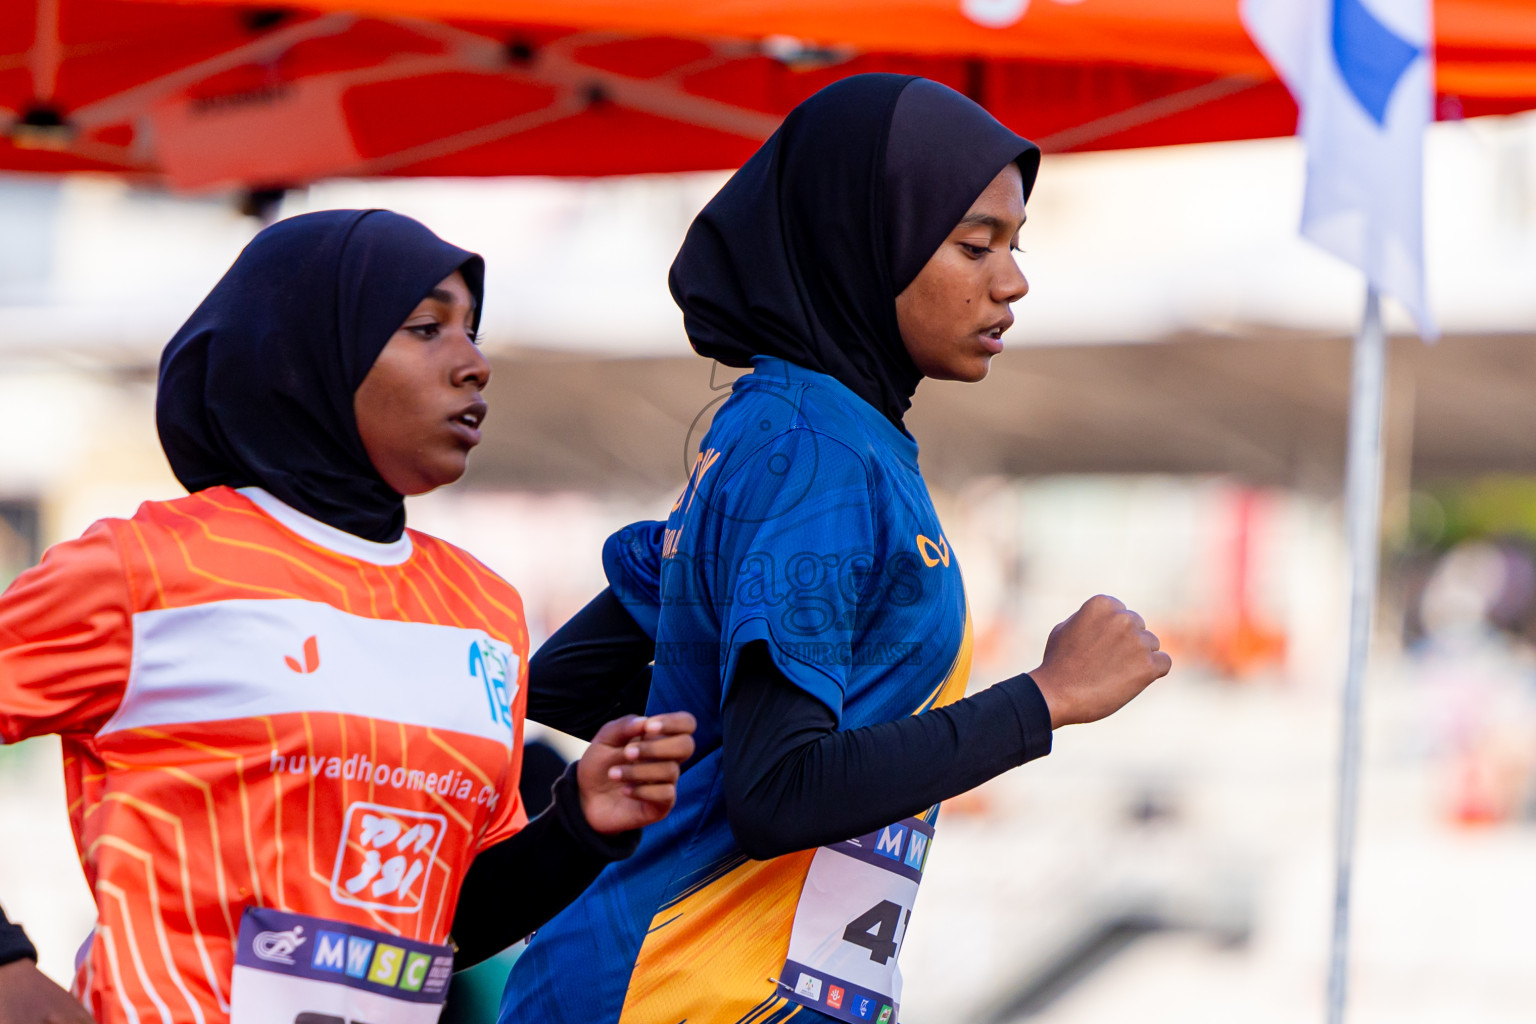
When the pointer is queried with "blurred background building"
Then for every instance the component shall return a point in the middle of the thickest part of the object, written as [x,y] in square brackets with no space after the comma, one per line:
[1167,426]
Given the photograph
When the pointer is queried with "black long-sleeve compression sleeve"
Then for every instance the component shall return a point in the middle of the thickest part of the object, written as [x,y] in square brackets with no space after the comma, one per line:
[515,886]
[792,781]
[595,668]
[14,944]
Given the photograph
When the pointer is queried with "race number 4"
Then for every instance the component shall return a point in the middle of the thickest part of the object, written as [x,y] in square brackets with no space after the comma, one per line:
[879,930]
[852,916]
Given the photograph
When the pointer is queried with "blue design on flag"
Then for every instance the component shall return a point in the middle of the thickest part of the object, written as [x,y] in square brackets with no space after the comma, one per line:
[1372,58]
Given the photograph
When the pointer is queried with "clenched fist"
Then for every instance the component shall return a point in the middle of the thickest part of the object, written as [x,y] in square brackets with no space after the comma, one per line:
[1096,661]
[628,776]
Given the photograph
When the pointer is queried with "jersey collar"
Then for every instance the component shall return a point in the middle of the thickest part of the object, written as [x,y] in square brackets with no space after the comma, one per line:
[902,444]
[328,537]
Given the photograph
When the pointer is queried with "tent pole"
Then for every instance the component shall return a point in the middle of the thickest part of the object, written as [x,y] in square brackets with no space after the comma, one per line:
[1362,497]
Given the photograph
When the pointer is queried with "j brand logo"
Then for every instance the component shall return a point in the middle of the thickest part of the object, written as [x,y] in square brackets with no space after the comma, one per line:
[311,657]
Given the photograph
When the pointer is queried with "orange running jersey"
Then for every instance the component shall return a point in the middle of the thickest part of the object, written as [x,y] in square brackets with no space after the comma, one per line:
[260,711]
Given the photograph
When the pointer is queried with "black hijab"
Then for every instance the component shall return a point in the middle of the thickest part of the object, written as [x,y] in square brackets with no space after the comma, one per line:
[802,254]
[256,388]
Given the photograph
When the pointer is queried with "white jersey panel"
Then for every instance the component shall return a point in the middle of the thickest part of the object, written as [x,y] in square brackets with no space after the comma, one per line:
[247,658]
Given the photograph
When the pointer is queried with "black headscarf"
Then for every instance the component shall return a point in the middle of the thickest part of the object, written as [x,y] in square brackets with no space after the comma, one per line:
[802,254]
[256,388]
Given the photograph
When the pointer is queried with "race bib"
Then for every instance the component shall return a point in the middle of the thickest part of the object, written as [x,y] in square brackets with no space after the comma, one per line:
[850,923]
[293,969]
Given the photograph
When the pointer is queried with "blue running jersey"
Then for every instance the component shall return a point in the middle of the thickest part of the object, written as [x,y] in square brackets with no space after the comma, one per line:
[805,523]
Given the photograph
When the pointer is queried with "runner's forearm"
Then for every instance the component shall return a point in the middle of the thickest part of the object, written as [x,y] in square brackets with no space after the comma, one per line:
[793,781]
[515,886]
[595,668]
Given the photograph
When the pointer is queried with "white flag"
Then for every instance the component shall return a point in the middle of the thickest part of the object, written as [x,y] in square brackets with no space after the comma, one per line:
[1363,73]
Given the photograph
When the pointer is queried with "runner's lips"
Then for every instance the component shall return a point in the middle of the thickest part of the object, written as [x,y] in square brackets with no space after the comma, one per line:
[992,337]
[467,422]
[471,416]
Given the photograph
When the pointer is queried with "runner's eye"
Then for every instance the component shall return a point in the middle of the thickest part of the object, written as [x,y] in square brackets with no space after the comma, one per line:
[975,252]
[427,332]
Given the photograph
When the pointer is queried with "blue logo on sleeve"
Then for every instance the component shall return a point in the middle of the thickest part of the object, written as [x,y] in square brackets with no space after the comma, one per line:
[888,842]
[863,1007]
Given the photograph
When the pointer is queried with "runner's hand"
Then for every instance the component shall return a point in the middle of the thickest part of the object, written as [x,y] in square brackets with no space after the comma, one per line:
[628,776]
[1096,661]
[28,996]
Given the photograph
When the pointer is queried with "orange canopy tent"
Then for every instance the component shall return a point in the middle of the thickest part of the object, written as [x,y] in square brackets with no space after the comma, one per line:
[207,94]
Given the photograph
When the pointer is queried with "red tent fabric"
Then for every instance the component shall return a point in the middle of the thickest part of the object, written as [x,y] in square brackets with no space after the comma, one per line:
[210,94]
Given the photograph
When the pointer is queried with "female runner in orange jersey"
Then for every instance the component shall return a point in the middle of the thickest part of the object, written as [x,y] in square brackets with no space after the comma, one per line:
[292,727]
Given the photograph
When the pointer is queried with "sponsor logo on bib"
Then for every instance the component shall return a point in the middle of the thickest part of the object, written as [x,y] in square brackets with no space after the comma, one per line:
[278,947]
[344,973]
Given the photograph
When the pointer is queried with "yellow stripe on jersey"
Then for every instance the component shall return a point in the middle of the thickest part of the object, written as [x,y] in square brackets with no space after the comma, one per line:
[720,948]
[713,952]
[959,675]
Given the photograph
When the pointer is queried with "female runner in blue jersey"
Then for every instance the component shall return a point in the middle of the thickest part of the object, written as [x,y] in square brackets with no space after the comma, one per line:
[801,599]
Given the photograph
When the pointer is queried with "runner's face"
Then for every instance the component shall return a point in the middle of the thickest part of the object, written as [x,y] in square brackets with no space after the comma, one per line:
[419,409]
[953,314]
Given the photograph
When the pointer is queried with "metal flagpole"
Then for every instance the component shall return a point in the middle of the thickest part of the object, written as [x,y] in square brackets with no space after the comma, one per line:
[1363,518]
